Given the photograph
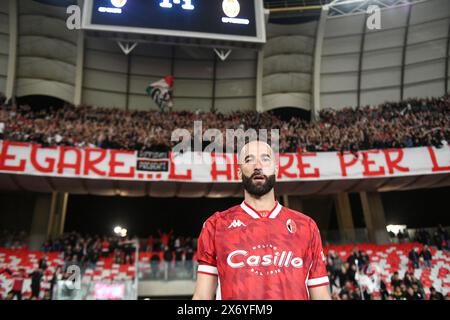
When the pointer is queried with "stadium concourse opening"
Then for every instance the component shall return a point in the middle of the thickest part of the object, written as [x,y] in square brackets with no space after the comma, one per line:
[40,102]
[144,216]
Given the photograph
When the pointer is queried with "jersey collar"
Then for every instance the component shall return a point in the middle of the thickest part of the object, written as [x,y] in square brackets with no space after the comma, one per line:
[255,214]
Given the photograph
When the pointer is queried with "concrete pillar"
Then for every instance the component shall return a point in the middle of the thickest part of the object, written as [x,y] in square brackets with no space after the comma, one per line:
[344,216]
[48,220]
[41,221]
[294,203]
[10,90]
[374,216]
[259,80]
[285,200]
[60,200]
[320,34]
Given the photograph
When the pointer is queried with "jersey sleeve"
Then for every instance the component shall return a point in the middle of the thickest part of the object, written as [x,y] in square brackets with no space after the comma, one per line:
[206,249]
[318,275]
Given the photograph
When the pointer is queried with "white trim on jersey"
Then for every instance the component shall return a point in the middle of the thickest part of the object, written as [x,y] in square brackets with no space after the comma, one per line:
[207,269]
[317,281]
[255,215]
[250,211]
[276,211]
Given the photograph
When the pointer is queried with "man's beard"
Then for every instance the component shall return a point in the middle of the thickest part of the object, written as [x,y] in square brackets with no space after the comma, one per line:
[258,189]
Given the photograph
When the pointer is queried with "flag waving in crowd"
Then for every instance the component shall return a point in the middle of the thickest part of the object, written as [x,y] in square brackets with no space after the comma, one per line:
[161,92]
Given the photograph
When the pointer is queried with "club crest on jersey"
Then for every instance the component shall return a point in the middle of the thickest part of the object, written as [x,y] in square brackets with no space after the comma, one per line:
[291,226]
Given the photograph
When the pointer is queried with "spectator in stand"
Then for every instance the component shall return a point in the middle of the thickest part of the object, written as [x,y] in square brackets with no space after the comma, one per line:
[410,123]
[395,280]
[47,295]
[155,261]
[92,257]
[18,280]
[118,256]
[168,260]
[423,237]
[399,294]
[334,263]
[128,248]
[105,248]
[355,255]
[418,293]
[36,278]
[13,240]
[409,294]
[179,256]
[57,276]
[165,237]
[149,243]
[441,239]
[414,257]
[442,232]
[189,256]
[383,290]
[435,295]
[407,279]
[43,263]
[343,275]
[426,255]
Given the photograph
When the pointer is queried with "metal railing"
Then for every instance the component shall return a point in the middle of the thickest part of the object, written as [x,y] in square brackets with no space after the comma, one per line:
[294,3]
[167,270]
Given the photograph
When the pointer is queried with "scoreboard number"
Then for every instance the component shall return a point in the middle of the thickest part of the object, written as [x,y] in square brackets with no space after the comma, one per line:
[187,4]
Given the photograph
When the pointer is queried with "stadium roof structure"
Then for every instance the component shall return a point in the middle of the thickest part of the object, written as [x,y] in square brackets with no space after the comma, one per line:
[164,189]
[311,8]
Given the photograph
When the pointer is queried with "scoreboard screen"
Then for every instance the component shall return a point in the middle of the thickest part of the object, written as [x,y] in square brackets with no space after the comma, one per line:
[237,20]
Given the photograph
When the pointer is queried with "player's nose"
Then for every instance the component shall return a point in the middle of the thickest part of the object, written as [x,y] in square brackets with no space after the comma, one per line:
[258,164]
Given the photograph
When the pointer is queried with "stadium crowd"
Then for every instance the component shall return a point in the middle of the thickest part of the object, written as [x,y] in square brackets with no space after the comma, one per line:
[168,252]
[346,283]
[410,123]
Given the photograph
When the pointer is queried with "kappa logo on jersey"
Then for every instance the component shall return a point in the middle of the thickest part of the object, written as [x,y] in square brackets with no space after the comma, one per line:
[261,264]
[291,226]
[237,224]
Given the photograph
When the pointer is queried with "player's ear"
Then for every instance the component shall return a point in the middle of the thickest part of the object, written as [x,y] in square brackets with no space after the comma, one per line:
[239,172]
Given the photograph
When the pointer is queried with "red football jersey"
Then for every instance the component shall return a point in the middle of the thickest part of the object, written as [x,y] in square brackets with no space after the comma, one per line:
[277,257]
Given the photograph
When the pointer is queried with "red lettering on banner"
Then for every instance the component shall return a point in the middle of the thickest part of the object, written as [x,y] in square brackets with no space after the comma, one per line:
[113,164]
[283,170]
[393,164]
[175,176]
[4,156]
[50,161]
[62,160]
[367,163]
[436,166]
[90,165]
[216,172]
[344,164]
[302,166]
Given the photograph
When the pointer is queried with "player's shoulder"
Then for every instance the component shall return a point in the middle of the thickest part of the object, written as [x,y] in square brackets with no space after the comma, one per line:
[220,216]
[300,217]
